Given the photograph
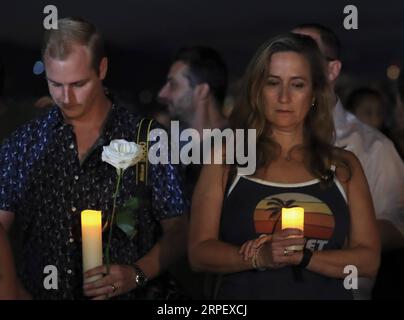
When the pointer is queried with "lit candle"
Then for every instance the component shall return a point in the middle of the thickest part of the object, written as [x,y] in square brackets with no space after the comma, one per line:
[293,218]
[91,241]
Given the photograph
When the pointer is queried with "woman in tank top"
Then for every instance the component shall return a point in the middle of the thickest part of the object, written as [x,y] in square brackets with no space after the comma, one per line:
[235,226]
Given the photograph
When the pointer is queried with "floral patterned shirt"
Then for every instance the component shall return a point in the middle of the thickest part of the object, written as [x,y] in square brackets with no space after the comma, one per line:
[43,182]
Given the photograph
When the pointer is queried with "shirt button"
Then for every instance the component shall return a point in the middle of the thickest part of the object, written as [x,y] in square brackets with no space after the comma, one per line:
[76,178]
[69,271]
[71,146]
[74,209]
[71,240]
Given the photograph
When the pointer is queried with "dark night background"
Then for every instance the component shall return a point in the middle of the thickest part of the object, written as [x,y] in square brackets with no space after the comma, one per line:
[142,36]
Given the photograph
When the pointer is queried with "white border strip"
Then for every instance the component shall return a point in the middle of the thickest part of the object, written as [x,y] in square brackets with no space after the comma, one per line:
[233,184]
[341,189]
[276,184]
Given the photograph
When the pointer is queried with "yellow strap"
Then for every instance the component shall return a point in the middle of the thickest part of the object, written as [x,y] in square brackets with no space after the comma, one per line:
[147,148]
[143,165]
[137,141]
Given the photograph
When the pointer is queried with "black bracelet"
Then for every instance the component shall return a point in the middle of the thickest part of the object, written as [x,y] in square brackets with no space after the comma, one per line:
[307,254]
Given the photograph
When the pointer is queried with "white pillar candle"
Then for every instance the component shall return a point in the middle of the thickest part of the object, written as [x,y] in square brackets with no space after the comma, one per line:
[91,231]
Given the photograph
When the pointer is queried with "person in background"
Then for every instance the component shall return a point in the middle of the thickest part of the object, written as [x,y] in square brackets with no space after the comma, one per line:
[196,88]
[380,160]
[194,93]
[367,105]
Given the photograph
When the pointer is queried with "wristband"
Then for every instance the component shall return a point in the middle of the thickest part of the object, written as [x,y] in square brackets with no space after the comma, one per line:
[307,254]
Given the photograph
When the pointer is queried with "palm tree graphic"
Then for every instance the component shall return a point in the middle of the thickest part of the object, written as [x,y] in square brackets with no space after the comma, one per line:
[275,205]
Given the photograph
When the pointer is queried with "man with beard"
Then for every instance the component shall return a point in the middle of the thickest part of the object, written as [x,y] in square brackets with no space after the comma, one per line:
[194,94]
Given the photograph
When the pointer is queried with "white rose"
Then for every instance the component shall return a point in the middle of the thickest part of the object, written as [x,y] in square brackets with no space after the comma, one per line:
[122,154]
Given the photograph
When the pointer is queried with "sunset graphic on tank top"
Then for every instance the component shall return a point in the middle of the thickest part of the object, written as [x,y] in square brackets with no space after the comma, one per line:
[319,220]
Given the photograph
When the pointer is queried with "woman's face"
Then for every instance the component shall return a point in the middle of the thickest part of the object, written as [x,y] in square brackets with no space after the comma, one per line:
[288,91]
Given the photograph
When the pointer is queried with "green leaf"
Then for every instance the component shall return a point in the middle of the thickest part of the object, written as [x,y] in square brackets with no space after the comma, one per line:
[126,221]
[126,217]
[132,203]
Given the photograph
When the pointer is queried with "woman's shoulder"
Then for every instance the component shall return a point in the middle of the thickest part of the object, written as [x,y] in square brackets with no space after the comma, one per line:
[347,164]
[348,156]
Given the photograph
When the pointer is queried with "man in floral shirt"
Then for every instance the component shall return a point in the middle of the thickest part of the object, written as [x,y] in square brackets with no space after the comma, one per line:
[51,170]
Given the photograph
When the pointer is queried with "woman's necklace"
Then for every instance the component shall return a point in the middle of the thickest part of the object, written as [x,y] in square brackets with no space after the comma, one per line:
[288,156]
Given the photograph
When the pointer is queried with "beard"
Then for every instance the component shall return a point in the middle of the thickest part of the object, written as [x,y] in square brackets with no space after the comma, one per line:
[182,109]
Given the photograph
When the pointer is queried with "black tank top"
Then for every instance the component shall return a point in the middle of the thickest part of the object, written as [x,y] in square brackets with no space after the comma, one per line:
[253,207]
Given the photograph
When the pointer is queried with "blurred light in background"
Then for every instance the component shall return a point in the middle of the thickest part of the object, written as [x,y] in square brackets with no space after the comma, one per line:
[393,72]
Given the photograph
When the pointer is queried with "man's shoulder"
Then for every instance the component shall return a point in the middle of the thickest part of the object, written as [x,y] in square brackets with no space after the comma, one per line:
[130,119]
[357,132]
[375,139]
[375,151]
[32,129]
[135,120]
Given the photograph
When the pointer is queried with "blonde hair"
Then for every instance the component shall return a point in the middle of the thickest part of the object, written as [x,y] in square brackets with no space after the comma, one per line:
[58,43]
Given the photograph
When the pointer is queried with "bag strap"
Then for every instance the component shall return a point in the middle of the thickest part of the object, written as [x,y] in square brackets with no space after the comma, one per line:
[142,139]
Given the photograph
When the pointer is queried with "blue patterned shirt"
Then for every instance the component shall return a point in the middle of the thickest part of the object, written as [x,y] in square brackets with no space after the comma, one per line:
[43,182]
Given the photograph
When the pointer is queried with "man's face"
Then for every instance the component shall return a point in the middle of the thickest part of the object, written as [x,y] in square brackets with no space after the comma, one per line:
[177,93]
[73,84]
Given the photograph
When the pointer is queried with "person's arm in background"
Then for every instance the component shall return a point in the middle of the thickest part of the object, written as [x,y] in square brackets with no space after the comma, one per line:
[385,174]
[10,286]
[170,247]
[8,278]
[9,195]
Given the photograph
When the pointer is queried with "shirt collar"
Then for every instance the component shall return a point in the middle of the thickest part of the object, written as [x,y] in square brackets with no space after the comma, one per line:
[55,117]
